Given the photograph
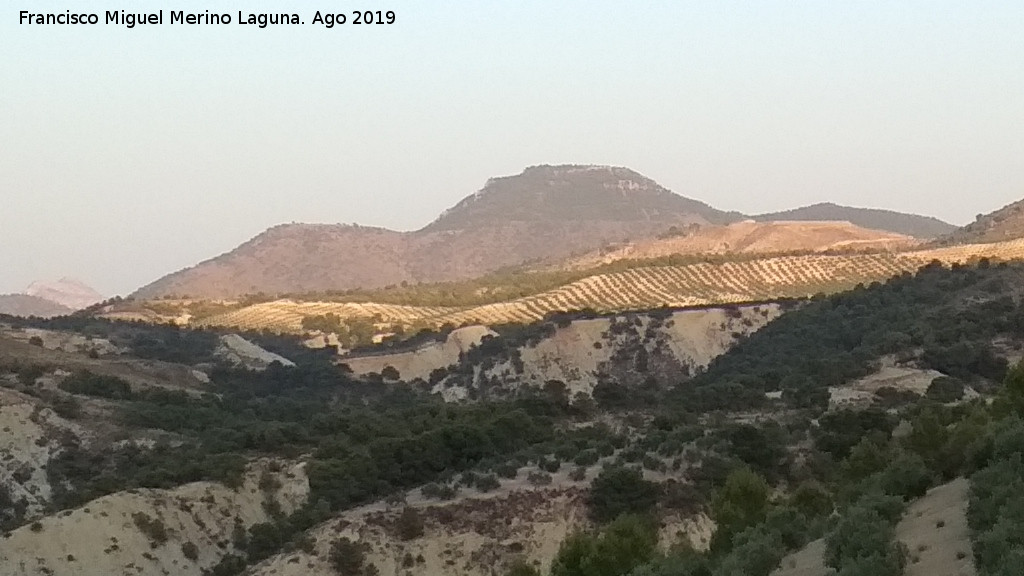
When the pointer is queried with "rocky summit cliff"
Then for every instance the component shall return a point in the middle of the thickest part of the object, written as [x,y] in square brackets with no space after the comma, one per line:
[576,193]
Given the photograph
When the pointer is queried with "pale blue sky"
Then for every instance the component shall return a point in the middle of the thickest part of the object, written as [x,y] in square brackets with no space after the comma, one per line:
[128,154]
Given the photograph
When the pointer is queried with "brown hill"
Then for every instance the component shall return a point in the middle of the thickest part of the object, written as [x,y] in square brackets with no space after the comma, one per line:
[539,217]
[1007,223]
[25,305]
[898,222]
[545,214]
[750,237]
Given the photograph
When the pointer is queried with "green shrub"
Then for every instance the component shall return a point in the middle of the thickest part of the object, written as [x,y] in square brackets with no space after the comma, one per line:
[468,478]
[153,528]
[507,470]
[29,373]
[538,478]
[653,463]
[410,524]
[67,407]
[756,552]
[863,541]
[89,384]
[230,565]
[946,389]
[626,543]
[550,465]
[439,491]
[348,558]
[741,503]
[487,483]
[617,491]
[586,458]
[812,499]
[996,511]
[522,568]
[906,476]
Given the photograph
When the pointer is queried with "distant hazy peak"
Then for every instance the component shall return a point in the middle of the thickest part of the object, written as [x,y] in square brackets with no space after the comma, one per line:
[67,292]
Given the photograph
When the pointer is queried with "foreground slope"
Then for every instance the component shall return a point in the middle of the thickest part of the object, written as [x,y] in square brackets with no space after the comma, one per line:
[933,529]
[182,531]
[402,479]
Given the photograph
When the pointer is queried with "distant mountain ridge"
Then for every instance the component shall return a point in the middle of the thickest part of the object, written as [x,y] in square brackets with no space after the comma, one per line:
[541,216]
[67,292]
[25,305]
[50,298]
[876,219]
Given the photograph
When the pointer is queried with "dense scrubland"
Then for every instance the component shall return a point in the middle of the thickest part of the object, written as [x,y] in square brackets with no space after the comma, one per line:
[753,441]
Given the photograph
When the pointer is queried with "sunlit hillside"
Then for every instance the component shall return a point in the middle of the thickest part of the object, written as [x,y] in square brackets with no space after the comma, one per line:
[635,288]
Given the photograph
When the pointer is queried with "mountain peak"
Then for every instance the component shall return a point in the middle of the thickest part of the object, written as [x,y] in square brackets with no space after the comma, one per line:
[575,193]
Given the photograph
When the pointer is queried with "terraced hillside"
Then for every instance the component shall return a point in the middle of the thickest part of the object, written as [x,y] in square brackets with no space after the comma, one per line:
[750,237]
[637,288]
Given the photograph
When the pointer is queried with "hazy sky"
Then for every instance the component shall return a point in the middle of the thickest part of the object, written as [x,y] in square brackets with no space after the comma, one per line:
[127,154]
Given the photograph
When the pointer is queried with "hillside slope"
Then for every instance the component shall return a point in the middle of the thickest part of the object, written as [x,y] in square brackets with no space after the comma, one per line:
[1007,223]
[637,288]
[578,354]
[750,237]
[933,529]
[897,222]
[542,215]
[110,534]
[502,456]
